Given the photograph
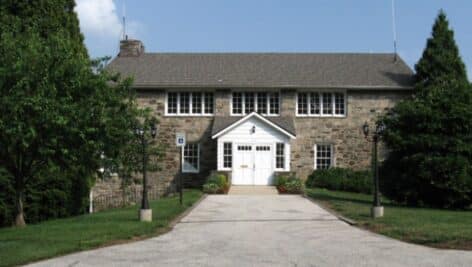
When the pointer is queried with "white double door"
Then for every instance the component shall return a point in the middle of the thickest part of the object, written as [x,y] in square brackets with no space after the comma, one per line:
[253,164]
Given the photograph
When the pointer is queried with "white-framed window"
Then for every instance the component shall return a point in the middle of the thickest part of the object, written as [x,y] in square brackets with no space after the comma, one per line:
[191,158]
[280,156]
[327,104]
[265,103]
[323,156]
[227,155]
[189,103]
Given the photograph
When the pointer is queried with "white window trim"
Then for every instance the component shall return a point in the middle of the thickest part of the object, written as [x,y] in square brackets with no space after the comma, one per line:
[333,163]
[190,114]
[333,104]
[183,160]
[243,96]
[223,156]
[286,160]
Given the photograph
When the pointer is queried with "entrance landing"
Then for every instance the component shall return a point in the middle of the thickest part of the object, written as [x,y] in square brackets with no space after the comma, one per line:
[253,190]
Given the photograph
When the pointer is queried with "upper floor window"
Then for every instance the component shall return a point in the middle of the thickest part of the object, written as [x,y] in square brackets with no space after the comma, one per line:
[321,104]
[262,102]
[189,103]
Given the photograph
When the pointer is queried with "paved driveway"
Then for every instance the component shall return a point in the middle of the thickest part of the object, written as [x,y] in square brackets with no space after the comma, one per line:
[267,230]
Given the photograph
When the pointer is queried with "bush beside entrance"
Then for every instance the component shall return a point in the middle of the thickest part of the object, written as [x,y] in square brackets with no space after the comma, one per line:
[289,184]
[216,184]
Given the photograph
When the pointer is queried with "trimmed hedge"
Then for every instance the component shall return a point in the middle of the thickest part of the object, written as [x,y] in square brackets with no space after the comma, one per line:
[216,184]
[341,179]
[289,184]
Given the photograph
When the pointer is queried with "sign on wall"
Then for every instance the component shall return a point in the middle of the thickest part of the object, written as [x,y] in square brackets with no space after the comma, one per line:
[180,139]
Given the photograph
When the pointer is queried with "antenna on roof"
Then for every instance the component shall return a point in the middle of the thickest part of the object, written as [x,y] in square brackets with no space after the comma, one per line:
[394,28]
[124,22]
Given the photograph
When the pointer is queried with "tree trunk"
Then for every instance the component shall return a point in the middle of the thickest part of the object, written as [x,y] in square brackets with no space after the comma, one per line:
[20,218]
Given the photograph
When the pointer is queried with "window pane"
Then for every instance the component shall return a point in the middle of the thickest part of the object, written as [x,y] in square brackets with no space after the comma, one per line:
[327,103]
[274,103]
[279,156]
[302,103]
[184,103]
[248,103]
[208,103]
[196,103]
[315,103]
[227,155]
[172,103]
[262,103]
[191,158]
[323,156]
[339,104]
[237,103]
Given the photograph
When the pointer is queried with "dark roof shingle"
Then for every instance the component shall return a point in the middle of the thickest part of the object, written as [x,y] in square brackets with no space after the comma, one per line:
[219,70]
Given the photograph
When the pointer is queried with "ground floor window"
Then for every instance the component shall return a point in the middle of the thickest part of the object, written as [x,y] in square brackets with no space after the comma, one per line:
[191,158]
[279,156]
[227,155]
[323,156]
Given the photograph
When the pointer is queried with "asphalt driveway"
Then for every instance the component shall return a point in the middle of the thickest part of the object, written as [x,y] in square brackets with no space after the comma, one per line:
[270,230]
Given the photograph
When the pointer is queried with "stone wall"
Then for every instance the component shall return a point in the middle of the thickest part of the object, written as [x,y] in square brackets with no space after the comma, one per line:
[350,147]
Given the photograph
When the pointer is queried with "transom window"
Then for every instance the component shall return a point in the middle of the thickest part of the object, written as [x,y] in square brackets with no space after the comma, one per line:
[244,148]
[262,148]
[262,102]
[227,155]
[321,104]
[189,103]
[191,158]
[279,156]
[323,156]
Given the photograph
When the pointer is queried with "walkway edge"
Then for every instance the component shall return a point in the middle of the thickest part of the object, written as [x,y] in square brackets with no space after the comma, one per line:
[177,219]
[331,211]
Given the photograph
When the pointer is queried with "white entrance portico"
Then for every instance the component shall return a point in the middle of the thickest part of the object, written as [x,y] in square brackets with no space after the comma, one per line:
[253,147]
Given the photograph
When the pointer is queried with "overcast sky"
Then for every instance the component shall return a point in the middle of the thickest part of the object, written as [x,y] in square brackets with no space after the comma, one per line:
[272,25]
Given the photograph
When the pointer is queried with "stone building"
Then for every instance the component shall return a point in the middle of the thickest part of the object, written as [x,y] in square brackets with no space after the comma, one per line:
[255,114]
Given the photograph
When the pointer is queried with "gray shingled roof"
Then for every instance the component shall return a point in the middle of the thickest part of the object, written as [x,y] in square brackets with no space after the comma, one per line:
[222,122]
[283,70]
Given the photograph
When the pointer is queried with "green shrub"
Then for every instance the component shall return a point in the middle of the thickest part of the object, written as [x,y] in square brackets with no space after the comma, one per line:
[341,179]
[289,184]
[216,184]
[218,179]
[210,188]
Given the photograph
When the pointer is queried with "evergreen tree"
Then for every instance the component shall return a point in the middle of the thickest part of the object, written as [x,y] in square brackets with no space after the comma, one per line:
[430,134]
[58,117]
[440,61]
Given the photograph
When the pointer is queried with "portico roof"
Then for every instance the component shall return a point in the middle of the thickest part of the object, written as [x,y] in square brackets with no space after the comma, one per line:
[222,124]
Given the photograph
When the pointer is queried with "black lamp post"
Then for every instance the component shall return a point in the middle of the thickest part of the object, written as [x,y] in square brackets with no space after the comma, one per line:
[377,208]
[145,213]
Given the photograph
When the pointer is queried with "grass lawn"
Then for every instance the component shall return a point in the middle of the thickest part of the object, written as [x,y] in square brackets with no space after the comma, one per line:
[431,227]
[56,237]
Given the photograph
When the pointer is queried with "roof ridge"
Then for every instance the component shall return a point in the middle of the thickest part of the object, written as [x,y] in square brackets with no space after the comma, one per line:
[266,53]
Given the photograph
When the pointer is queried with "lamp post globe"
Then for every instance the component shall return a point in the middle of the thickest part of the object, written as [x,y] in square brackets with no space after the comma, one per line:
[365,129]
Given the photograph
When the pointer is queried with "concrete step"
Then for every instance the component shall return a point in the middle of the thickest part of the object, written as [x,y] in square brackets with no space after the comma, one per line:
[253,190]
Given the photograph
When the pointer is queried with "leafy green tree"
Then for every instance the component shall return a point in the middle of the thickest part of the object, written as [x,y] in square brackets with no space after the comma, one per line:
[430,134]
[57,115]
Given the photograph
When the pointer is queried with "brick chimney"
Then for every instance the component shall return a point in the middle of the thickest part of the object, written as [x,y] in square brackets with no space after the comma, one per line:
[131,48]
